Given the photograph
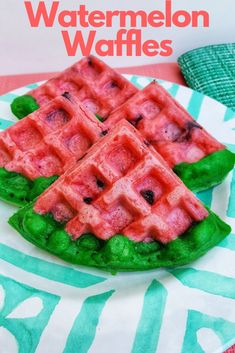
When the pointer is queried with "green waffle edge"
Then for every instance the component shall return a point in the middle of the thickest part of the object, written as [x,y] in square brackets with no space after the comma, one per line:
[207,172]
[18,190]
[118,253]
[23,106]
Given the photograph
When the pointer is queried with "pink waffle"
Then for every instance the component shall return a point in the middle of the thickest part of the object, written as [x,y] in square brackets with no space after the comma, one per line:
[166,125]
[100,88]
[50,140]
[122,186]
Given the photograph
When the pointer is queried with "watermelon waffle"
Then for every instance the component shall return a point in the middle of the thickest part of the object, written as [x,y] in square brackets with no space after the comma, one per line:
[43,145]
[198,158]
[120,208]
[100,88]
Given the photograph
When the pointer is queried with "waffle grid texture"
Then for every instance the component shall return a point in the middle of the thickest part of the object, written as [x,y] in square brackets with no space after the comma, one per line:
[50,140]
[166,125]
[122,185]
[100,88]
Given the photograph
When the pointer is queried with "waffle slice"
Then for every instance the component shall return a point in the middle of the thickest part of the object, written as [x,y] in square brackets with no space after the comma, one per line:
[120,187]
[44,145]
[198,158]
[100,88]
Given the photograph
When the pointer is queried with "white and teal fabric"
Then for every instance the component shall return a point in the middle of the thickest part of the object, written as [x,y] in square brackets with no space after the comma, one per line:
[47,305]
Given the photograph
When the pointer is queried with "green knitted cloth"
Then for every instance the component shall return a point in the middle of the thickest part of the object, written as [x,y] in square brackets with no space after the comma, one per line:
[211,70]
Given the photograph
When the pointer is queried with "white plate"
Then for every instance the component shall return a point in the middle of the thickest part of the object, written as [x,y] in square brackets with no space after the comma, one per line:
[51,306]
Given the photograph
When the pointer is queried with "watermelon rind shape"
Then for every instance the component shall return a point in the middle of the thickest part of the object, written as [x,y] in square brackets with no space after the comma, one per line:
[121,208]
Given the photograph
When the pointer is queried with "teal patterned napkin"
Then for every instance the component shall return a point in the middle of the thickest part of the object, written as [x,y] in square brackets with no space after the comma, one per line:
[211,70]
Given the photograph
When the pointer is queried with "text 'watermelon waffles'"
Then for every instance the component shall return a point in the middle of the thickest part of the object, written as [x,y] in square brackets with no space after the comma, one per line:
[120,208]
[198,158]
[37,149]
[100,88]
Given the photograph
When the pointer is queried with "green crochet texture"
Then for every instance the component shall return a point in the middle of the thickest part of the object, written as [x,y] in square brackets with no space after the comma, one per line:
[118,253]
[23,106]
[211,70]
[19,190]
[209,171]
